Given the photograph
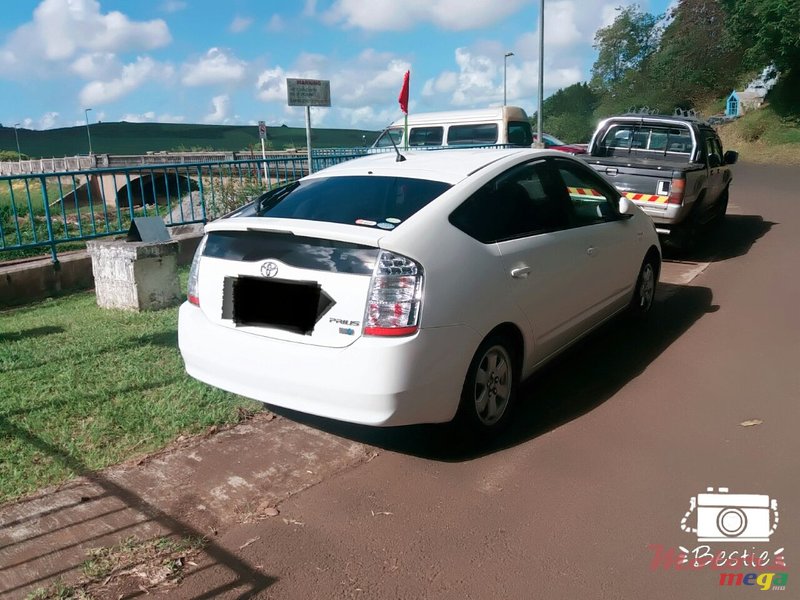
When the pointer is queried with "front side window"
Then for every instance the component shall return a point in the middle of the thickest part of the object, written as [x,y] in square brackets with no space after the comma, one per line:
[369,201]
[485,133]
[385,141]
[591,201]
[522,202]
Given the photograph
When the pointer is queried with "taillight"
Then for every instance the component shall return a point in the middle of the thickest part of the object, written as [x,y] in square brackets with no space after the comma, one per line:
[192,289]
[676,189]
[395,296]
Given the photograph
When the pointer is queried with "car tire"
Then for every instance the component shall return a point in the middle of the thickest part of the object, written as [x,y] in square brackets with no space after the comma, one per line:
[490,388]
[645,291]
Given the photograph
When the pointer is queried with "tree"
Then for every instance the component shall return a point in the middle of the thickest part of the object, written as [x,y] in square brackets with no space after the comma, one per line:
[769,30]
[568,114]
[624,46]
[698,58]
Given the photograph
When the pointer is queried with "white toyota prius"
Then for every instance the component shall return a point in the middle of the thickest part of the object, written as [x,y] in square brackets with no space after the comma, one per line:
[416,288]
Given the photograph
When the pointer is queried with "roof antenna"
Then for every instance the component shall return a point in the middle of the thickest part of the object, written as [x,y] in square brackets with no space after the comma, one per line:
[400,157]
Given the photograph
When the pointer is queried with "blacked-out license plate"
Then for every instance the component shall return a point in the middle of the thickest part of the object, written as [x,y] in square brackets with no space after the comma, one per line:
[289,305]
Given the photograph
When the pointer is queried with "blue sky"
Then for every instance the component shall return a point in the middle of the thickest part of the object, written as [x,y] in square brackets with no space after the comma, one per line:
[226,62]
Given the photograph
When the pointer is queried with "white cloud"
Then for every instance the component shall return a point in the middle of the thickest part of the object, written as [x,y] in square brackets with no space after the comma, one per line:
[221,108]
[48,120]
[239,24]
[391,15]
[173,6]
[96,65]
[216,67]
[271,85]
[60,29]
[276,24]
[310,8]
[133,75]
[151,117]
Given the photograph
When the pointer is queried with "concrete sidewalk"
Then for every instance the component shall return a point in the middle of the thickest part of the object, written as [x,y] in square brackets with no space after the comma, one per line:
[198,487]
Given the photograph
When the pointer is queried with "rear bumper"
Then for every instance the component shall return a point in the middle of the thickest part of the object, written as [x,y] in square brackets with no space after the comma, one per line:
[374,381]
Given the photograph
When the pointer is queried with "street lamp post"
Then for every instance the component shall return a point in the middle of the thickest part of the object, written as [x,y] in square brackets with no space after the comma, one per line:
[539,138]
[88,133]
[505,71]
[16,136]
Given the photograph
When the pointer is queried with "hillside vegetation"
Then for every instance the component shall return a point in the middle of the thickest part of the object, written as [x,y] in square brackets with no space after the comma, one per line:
[138,138]
[692,58]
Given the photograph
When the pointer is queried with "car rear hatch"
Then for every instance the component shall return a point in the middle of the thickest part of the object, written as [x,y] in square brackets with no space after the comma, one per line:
[288,279]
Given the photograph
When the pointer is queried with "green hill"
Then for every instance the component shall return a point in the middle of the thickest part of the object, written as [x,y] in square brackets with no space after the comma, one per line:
[139,138]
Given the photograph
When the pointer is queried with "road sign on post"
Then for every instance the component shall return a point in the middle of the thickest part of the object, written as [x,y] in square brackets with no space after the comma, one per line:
[308,93]
[262,130]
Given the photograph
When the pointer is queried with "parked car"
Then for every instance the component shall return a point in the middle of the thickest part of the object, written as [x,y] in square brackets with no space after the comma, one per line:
[553,143]
[388,292]
[672,167]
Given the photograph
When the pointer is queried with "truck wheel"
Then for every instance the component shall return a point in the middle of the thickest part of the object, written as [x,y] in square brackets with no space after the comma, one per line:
[722,208]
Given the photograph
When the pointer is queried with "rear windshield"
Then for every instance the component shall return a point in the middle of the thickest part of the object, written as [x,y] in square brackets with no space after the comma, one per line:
[634,137]
[370,201]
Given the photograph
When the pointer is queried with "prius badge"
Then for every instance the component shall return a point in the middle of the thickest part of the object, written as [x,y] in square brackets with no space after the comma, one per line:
[269,269]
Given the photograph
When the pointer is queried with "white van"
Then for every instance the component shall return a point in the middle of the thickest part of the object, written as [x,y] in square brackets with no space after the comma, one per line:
[486,126]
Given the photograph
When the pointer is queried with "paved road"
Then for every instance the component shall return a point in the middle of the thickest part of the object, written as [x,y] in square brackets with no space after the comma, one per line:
[609,444]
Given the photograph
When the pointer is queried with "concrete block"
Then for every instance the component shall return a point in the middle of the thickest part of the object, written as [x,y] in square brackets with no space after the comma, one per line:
[135,275]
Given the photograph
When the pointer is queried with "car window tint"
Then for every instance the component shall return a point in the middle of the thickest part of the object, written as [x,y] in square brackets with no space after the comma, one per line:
[360,200]
[520,203]
[485,133]
[666,140]
[590,200]
[425,136]
[519,133]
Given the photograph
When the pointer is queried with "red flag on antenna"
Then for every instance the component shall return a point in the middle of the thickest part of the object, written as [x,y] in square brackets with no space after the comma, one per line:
[403,97]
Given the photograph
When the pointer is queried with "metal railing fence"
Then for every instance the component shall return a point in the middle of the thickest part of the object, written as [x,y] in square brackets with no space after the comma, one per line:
[48,211]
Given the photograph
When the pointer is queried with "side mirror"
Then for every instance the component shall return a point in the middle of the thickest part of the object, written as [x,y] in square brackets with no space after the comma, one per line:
[624,206]
[731,156]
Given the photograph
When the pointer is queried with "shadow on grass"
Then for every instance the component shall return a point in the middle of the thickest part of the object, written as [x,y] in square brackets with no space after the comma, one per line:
[557,394]
[16,577]
[33,332]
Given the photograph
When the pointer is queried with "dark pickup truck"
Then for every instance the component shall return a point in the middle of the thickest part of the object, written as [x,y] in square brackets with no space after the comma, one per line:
[672,167]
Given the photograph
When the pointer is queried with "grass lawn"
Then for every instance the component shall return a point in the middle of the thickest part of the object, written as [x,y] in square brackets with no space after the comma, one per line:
[82,388]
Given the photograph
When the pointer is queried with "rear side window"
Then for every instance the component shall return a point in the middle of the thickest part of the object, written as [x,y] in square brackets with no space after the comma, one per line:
[485,133]
[370,201]
[425,136]
[524,201]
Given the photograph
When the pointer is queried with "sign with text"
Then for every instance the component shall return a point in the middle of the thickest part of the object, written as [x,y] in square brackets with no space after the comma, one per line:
[308,92]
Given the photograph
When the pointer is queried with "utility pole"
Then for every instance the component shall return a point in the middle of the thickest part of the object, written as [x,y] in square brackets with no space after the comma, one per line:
[88,133]
[16,135]
[539,138]
[505,70]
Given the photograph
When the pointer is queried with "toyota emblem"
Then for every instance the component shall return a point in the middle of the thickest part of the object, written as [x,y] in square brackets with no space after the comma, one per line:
[269,269]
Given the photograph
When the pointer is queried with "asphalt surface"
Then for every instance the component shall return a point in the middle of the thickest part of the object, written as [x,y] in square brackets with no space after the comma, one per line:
[608,445]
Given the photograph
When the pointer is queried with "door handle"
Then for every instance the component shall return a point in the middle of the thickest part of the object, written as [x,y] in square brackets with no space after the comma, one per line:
[590,251]
[520,272]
